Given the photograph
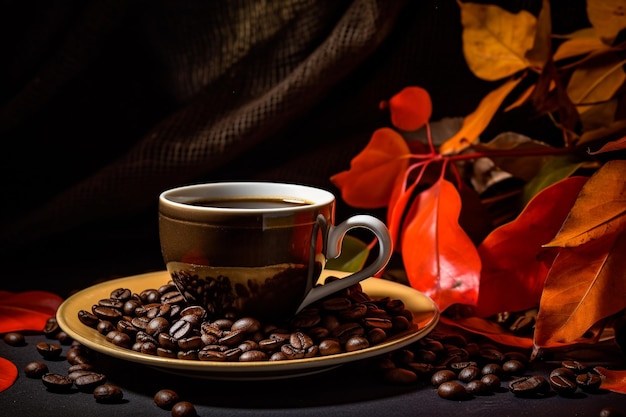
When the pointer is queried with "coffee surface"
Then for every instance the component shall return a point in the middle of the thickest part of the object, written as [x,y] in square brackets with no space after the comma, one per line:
[251,202]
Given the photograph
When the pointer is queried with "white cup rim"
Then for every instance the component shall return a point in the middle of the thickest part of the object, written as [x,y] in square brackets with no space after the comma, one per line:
[178,198]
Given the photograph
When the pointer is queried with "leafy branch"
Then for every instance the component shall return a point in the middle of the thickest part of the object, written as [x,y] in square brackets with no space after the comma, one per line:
[562,252]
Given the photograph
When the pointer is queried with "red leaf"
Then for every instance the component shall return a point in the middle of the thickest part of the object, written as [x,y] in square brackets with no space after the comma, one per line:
[515,265]
[612,380]
[374,170]
[26,311]
[411,108]
[8,374]
[440,259]
[397,209]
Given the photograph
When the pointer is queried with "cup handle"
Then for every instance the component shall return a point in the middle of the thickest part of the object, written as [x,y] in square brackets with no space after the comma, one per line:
[334,241]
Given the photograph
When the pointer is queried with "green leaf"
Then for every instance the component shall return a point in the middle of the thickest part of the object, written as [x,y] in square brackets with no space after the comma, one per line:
[558,167]
[353,255]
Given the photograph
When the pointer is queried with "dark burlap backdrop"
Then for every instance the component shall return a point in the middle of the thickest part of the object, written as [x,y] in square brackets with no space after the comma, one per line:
[106,103]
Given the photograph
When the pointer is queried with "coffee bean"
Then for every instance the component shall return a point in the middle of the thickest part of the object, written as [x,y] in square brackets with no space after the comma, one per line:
[49,350]
[88,318]
[490,355]
[108,394]
[492,381]
[106,313]
[157,325]
[514,367]
[247,325]
[80,367]
[469,373]
[63,338]
[576,366]
[442,376]
[166,398]
[51,328]
[15,339]
[184,409]
[57,382]
[119,338]
[492,368]
[528,386]
[452,390]
[399,376]
[111,303]
[89,381]
[35,369]
[150,295]
[589,382]
[356,343]
[477,387]
[329,347]
[563,381]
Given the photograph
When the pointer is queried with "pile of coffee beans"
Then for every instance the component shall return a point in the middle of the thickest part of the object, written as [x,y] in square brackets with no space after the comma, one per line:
[460,370]
[161,322]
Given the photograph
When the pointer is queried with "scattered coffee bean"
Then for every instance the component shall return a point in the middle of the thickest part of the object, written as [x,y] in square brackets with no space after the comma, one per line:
[452,390]
[57,382]
[51,328]
[491,381]
[576,366]
[477,387]
[442,376]
[563,381]
[589,382]
[108,394]
[399,376]
[88,381]
[15,339]
[49,350]
[184,409]
[469,374]
[529,386]
[35,369]
[166,398]
[514,367]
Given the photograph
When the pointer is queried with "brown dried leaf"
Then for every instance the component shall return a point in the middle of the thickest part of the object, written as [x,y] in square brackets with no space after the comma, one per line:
[584,286]
[599,210]
[596,82]
[495,41]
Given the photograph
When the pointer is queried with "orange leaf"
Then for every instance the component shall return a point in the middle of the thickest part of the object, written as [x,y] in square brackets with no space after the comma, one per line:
[8,374]
[612,380]
[440,259]
[373,172]
[490,329]
[475,123]
[616,145]
[26,311]
[600,209]
[515,265]
[411,108]
[584,285]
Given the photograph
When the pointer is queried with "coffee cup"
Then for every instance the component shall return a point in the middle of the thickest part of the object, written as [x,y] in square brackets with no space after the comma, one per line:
[258,248]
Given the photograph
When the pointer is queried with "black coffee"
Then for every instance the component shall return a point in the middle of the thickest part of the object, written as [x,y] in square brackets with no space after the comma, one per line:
[252,202]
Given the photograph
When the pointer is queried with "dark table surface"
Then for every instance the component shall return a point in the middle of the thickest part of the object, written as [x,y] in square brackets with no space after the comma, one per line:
[342,391]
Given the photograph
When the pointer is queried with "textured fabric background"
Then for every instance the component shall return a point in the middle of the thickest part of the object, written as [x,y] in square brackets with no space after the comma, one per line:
[105,103]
